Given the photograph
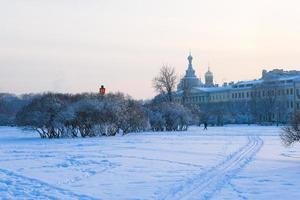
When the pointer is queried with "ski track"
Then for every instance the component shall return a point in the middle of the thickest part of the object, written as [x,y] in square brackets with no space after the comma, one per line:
[158,160]
[206,184]
[21,187]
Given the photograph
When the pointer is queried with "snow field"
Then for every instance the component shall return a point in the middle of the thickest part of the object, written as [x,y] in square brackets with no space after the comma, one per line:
[232,162]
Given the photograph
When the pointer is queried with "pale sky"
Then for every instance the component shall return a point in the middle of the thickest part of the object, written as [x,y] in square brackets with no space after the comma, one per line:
[75,46]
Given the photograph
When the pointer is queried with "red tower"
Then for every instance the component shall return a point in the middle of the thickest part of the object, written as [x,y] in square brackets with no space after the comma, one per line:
[102,90]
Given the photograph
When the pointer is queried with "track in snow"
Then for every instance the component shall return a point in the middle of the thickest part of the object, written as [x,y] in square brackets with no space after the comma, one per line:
[208,183]
[14,186]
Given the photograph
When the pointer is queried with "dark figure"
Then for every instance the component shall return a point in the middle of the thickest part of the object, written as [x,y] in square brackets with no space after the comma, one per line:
[205,125]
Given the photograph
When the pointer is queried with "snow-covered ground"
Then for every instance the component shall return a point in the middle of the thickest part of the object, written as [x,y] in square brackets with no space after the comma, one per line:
[232,162]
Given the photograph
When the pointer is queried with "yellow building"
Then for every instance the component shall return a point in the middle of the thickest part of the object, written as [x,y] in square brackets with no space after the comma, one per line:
[276,93]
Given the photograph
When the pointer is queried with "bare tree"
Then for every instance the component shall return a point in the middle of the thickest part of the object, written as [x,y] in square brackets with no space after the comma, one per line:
[165,82]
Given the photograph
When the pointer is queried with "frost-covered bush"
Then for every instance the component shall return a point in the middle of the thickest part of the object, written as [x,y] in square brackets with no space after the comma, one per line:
[85,115]
[291,133]
[132,117]
[42,115]
[90,115]
[176,117]
[80,117]
[157,120]
[168,116]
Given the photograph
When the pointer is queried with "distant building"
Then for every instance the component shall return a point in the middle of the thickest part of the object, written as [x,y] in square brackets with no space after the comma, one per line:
[271,98]
[209,79]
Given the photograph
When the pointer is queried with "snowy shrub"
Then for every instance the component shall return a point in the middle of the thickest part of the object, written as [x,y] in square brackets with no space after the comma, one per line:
[133,117]
[85,115]
[42,115]
[291,133]
[90,115]
[168,116]
[176,116]
[80,117]
[157,121]
[110,116]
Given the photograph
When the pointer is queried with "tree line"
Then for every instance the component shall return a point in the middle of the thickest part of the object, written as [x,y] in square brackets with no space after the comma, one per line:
[55,115]
[10,104]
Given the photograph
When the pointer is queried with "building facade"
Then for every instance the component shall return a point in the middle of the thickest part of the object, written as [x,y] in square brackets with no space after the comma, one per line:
[271,98]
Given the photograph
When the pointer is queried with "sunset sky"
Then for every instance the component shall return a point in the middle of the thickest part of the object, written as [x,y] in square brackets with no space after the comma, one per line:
[75,46]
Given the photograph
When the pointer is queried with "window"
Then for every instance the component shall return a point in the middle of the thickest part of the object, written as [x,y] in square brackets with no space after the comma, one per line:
[291,91]
[292,104]
[298,106]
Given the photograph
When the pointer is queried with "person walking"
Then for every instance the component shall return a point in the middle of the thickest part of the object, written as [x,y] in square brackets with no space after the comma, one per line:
[205,125]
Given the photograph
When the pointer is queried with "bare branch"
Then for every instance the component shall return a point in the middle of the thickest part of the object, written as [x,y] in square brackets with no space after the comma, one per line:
[165,82]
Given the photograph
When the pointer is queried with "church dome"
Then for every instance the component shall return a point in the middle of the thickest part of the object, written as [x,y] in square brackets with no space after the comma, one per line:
[208,73]
[190,79]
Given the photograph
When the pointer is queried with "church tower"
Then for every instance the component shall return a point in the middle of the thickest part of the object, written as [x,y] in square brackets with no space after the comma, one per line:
[190,79]
[209,78]
[190,72]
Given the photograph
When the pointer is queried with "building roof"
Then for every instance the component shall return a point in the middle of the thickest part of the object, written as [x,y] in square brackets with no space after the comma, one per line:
[214,89]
